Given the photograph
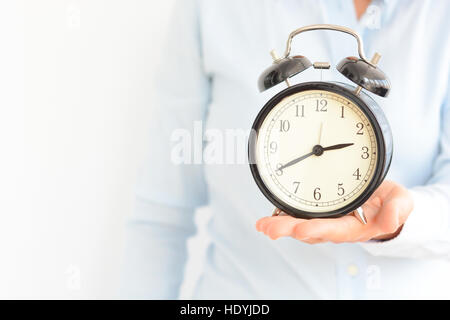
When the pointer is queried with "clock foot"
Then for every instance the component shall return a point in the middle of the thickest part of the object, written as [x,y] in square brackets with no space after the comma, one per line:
[359,214]
[278,212]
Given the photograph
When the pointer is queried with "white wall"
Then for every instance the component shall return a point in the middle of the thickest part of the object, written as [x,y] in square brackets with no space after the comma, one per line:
[74,95]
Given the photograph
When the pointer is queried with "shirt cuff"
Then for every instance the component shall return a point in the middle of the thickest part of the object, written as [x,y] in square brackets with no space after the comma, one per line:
[424,224]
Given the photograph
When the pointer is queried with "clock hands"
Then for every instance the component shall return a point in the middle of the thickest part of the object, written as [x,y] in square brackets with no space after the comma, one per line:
[338,146]
[320,133]
[317,150]
[290,163]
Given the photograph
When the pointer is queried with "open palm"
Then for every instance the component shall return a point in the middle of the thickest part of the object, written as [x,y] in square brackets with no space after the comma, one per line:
[386,212]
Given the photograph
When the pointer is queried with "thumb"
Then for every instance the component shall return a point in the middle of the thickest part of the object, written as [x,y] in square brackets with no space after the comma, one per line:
[388,218]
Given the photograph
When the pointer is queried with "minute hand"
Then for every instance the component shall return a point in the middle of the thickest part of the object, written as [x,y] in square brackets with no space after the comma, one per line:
[290,163]
[338,146]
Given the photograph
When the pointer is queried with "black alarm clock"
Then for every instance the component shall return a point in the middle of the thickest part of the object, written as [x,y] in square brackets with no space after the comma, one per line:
[320,149]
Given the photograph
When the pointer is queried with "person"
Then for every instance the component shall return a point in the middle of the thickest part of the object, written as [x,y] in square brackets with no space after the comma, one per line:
[215,52]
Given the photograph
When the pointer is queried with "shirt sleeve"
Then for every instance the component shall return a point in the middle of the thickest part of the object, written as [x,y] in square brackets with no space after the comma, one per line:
[426,233]
[171,185]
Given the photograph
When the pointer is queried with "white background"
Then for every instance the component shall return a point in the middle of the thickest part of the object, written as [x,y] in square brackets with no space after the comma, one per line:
[74,94]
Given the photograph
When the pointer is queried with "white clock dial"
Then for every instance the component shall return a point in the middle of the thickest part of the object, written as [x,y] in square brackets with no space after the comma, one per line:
[319,182]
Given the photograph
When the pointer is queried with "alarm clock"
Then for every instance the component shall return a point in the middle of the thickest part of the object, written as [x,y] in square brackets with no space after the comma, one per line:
[320,149]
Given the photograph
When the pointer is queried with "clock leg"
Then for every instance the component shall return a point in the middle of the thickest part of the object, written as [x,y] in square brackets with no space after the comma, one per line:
[359,214]
[278,212]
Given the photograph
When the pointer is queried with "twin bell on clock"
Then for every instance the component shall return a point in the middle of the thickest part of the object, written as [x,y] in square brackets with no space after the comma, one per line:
[321,149]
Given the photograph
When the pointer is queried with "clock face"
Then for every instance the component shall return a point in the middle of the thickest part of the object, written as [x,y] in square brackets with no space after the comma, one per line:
[316,151]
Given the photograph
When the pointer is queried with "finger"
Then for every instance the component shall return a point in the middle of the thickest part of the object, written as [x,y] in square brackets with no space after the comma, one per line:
[387,219]
[374,202]
[260,223]
[402,199]
[314,240]
[282,227]
[384,189]
[263,223]
[278,226]
[343,229]
[370,209]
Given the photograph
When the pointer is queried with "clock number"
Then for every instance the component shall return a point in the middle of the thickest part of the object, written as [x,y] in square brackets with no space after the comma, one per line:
[273,147]
[360,126]
[357,174]
[341,190]
[322,104]
[342,111]
[296,185]
[365,154]
[284,125]
[317,194]
[300,114]
[278,171]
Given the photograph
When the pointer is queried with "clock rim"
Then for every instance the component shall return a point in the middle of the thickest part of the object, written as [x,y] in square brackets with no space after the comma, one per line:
[380,170]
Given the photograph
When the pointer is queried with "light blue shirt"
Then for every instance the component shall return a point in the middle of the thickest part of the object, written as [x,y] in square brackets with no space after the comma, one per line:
[215,53]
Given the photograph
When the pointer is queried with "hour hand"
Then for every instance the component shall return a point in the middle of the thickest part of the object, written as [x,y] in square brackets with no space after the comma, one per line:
[319,150]
[338,146]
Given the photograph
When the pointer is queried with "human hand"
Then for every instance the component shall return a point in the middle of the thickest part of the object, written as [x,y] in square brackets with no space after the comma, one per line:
[386,211]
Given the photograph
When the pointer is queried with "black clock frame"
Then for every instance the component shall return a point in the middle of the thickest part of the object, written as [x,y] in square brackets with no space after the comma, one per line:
[382,132]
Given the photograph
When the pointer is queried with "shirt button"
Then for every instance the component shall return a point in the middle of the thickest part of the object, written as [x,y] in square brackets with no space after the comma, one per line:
[352,270]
